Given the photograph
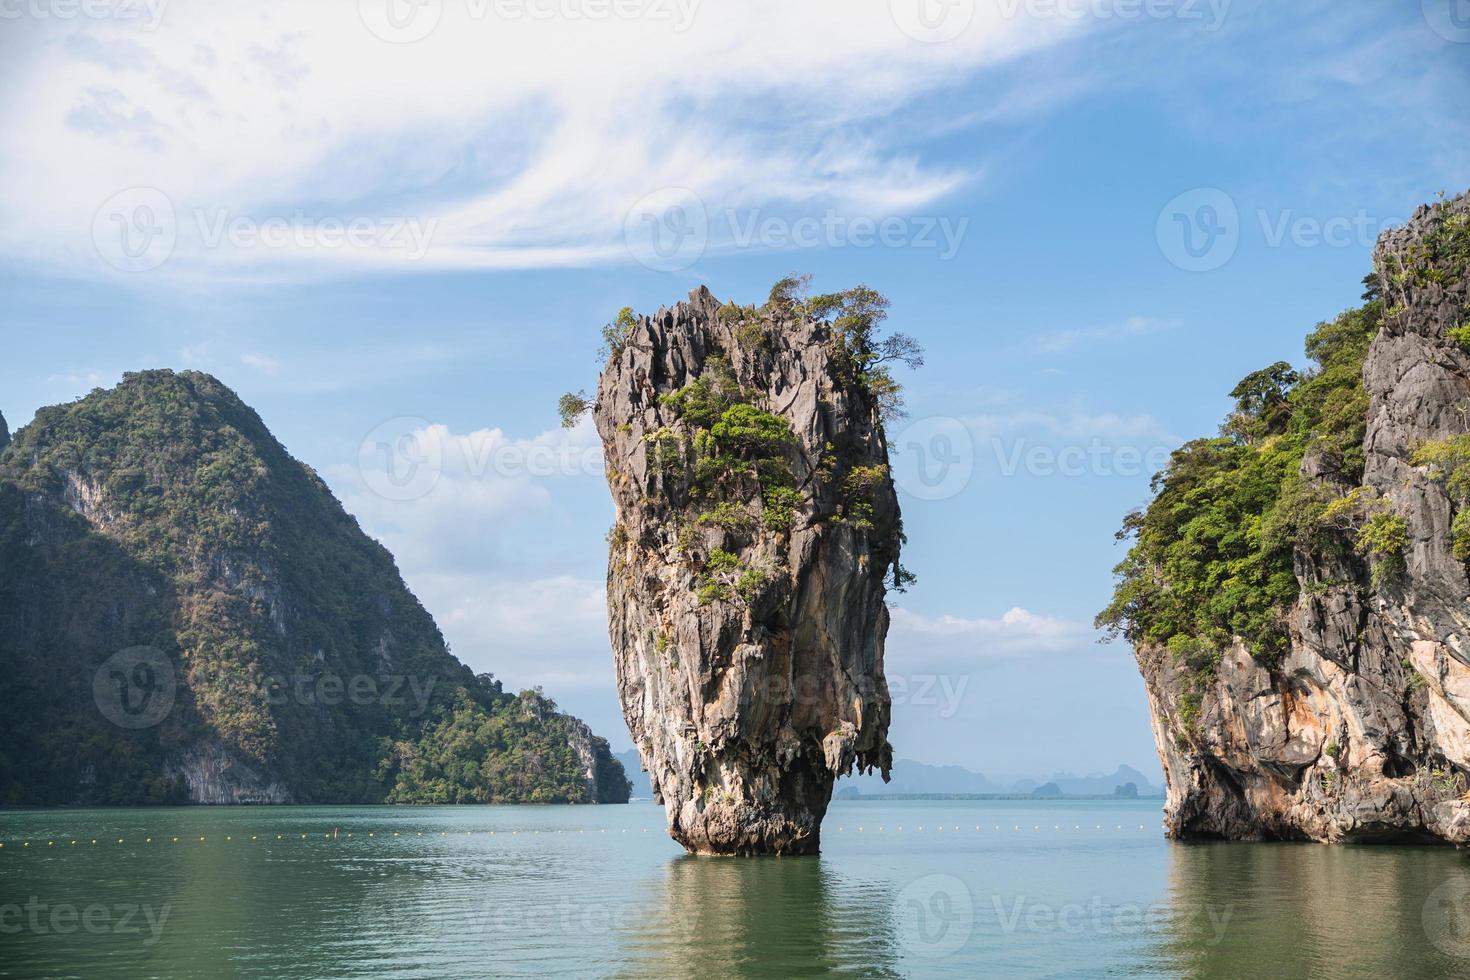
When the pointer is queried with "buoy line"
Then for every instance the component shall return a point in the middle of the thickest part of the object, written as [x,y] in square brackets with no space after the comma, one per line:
[336,834]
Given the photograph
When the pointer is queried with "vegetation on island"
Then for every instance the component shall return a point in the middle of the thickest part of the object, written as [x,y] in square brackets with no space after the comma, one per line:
[1211,559]
[163,514]
[725,458]
[501,750]
[1211,555]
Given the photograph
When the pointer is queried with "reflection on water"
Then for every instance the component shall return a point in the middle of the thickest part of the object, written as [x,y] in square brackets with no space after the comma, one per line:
[770,918]
[1309,910]
[921,888]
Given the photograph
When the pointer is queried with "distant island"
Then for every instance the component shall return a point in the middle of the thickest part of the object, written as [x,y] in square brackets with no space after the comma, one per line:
[916,780]
[187,615]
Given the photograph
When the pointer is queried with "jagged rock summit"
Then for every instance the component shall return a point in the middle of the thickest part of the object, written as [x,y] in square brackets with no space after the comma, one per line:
[756,528]
[1337,708]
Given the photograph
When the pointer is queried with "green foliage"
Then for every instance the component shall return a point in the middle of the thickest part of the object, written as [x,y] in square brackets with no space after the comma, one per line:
[746,428]
[1460,335]
[702,401]
[781,505]
[1261,403]
[900,578]
[788,295]
[617,537]
[1442,255]
[728,516]
[732,438]
[1448,461]
[858,489]
[571,407]
[725,578]
[666,450]
[749,584]
[1382,539]
[725,460]
[856,315]
[615,335]
[205,540]
[1211,558]
[1190,709]
[722,561]
[512,750]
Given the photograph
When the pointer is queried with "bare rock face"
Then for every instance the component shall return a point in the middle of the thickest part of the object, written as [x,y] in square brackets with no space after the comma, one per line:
[1362,731]
[756,524]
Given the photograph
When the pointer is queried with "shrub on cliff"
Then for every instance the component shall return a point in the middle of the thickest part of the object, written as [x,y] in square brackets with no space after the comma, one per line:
[1211,558]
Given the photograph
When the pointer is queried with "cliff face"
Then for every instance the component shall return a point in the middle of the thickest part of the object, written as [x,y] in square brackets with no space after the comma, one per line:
[1360,729]
[756,522]
[187,614]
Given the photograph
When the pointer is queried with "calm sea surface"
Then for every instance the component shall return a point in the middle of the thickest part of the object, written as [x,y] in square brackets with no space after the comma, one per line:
[948,889]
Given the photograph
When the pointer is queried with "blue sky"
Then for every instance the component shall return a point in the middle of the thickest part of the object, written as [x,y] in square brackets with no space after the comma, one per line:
[501,169]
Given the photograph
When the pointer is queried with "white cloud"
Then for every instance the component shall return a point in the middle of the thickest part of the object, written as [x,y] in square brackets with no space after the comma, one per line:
[261,362]
[461,547]
[517,143]
[481,487]
[1070,424]
[1134,326]
[953,639]
[82,380]
[550,631]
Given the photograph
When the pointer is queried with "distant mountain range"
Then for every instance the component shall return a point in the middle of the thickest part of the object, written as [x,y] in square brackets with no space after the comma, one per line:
[916,778]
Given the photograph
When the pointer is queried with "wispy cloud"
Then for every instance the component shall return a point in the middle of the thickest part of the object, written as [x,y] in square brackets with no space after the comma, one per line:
[520,142]
[1015,633]
[1133,326]
[260,362]
[1070,424]
[454,539]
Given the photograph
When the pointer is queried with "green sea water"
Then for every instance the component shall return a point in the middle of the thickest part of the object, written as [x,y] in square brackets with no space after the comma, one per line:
[913,888]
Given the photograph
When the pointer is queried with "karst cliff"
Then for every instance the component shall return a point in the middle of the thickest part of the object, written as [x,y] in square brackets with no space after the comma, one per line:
[187,614]
[1297,592]
[757,531]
